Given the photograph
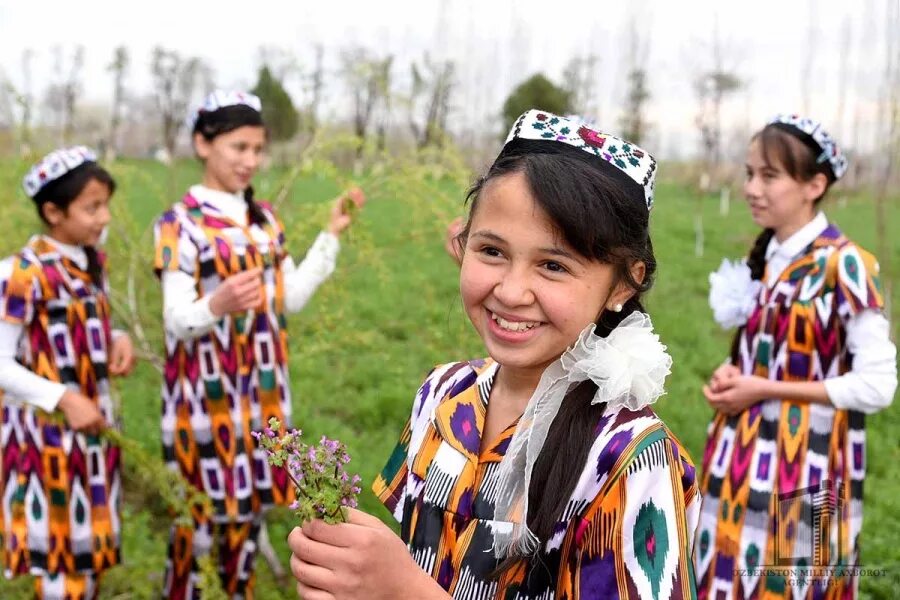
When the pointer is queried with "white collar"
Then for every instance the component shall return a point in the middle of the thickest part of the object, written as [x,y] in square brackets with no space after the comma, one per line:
[74,253]
[802,238]
[231,205]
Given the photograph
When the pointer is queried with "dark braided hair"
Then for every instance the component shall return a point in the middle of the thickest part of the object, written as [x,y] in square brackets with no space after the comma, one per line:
[211,124]
[62,191]
[595,214]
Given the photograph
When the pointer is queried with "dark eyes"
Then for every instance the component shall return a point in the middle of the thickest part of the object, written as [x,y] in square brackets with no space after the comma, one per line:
[555,267]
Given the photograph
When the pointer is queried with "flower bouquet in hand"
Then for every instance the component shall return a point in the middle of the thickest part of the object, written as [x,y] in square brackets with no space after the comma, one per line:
[324,489]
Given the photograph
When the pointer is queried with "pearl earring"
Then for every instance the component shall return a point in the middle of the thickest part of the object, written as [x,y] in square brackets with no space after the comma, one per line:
[617,307]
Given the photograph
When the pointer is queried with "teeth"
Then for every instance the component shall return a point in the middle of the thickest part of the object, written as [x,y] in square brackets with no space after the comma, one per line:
[514,325]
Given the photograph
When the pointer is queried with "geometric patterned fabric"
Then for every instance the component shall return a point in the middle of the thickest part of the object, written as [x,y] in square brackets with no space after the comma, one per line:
[626,531]
[61,490]
[778,448]
[222,385]
[235,545]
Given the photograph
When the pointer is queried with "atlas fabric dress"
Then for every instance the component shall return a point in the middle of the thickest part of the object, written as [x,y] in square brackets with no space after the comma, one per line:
[767,470]
[626,532]
[223,384]
[61,491]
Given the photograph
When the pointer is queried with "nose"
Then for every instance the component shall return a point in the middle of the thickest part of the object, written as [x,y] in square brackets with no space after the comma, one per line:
[104,216]
[752,187]
[515,288]
[252,159]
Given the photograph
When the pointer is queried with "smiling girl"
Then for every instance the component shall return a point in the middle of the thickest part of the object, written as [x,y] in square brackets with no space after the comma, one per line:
[61,481]
[228,282]
[811,357]
[539,472]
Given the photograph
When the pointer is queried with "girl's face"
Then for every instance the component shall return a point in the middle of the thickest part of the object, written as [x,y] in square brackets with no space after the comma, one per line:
[231,159]
[776,199]
[83,221]
[526,291]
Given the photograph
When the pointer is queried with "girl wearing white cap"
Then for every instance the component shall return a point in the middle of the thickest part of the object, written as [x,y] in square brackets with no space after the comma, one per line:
[228,281]
[784,463]
[61,481]
[542,471]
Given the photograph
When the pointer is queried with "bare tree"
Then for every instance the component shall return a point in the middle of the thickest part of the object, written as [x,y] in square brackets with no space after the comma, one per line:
[715,83]
[429,100]
[119,69]
[16,104]
[891,152]
[368,81]
[7,103]
[26,102]
[175,79]
[581,80]
[316,87]
[62,95]
[633,122]
[282,63]
[811,49]
[843,76]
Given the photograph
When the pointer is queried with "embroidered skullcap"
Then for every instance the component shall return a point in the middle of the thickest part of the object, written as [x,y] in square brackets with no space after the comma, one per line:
[55,165]
[814,136]
[538,131]
[220,99]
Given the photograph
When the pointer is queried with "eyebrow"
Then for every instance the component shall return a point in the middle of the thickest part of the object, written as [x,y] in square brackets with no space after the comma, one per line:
[554,250]
[749,167]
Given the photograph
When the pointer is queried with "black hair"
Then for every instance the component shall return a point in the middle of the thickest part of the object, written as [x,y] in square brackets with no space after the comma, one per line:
[603,220]
[211,124]
[63,190]
[794,152]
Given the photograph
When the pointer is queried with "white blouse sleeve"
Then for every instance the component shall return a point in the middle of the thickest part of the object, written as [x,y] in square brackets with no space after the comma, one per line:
[870,384]
[302,281]
[18,383]
[185,315]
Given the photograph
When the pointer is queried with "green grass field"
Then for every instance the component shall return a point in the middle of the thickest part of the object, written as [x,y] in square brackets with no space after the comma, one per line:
[391,312]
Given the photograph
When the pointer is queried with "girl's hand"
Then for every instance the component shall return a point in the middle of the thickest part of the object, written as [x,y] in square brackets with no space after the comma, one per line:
[81,413]
[121,356]
[451,241]
[737,394]
[240,292]
[343,209]
[362,559]
[723,374]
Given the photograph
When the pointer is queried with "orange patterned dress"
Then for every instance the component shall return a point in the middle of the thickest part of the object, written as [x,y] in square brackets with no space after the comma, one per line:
[627,530]
[61,490]
[783,481]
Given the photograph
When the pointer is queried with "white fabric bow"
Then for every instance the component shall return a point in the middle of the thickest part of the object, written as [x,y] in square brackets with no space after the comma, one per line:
[629,367]
[733,294]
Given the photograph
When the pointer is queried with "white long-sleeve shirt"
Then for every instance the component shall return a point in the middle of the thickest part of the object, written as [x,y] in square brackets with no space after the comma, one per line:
[870,384]
[187,315]
[18,383]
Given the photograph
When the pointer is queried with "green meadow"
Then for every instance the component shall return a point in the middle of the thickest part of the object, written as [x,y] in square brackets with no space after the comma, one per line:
[391,312]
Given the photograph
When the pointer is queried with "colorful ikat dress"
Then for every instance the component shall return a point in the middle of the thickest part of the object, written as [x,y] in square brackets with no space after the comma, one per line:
[627,530]
[220,386]
[783,481]
[61,490]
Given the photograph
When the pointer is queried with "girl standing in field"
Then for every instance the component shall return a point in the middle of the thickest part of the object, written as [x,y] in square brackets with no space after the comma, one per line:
[810,359]
[541,471]
[228,282]
[61,481]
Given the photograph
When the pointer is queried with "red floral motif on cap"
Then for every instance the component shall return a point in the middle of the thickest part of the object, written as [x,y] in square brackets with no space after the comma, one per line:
[591,137]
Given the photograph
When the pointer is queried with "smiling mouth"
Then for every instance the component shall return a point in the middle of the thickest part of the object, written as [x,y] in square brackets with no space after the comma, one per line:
[514,326]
